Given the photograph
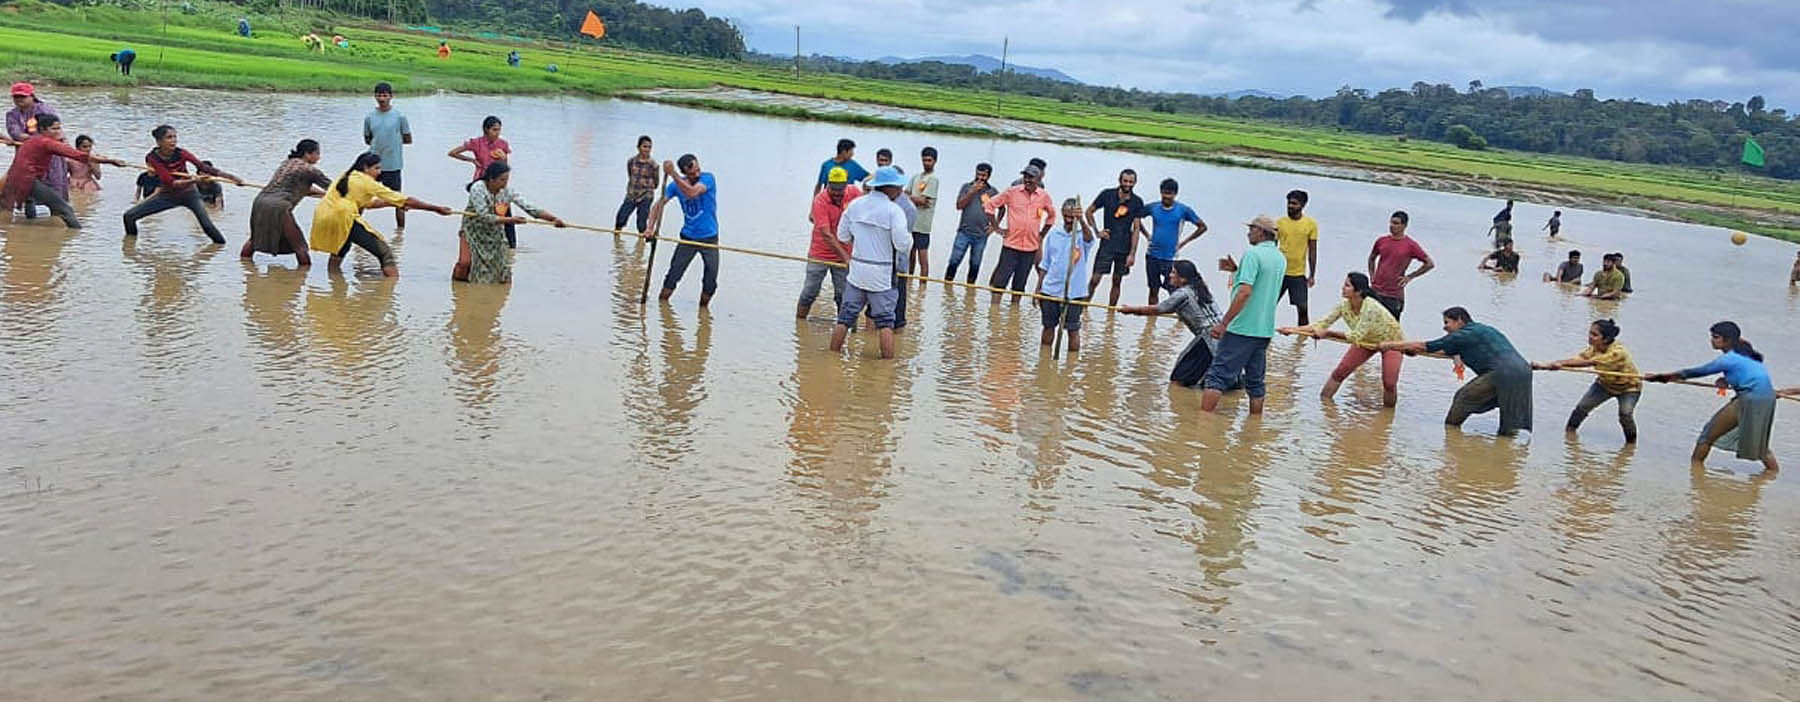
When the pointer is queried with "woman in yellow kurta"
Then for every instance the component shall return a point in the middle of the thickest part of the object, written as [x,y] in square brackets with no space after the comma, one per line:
[338,222]
[1370,325]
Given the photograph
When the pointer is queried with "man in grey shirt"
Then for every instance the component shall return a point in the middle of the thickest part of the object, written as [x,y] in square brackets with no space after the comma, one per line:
[387,133]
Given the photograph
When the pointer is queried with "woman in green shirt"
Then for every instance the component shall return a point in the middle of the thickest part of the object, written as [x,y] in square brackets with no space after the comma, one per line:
[1370,325]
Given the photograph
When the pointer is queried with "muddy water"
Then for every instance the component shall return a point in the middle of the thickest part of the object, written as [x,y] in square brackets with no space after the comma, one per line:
[227,481]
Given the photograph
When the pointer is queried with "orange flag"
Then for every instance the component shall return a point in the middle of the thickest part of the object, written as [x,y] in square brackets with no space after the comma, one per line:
[592,26]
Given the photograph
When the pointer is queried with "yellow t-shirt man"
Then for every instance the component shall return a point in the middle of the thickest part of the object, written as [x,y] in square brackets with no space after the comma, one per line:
[1292,236]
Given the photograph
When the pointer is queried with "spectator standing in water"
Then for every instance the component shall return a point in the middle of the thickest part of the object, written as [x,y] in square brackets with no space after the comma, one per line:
[1028,217]
[845,159]
[1608,282]
[1388,262]
[923,191]
[1568,272]
[483,150]
[1554,226]
[972,225]
[1502,260]
[827,210]
[640,186]
[387,133]
[1122,215]
[1062,273]
[1502,227]
[1166,216]
[1298,238]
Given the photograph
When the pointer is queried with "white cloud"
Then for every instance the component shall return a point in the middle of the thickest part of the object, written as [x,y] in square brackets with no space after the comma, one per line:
[1309,47]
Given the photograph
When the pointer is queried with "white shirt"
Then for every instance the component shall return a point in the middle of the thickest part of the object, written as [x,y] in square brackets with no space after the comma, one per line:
[875,227]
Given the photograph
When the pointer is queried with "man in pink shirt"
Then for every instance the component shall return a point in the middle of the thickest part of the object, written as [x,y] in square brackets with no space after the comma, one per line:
[1388,260]
[1025,230]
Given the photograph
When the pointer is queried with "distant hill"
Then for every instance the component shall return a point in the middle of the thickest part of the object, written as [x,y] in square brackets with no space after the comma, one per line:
[1235,94]
[1518,91]
[986,64]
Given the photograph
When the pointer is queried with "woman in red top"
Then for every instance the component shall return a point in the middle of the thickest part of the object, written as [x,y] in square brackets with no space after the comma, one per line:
[175,186]
[24,180]
[483,150]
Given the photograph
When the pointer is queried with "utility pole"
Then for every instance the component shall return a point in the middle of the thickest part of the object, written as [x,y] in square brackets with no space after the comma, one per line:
[796,51]
[1005,43]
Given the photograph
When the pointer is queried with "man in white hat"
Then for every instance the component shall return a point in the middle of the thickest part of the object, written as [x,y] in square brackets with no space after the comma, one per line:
[1245,330]
[875,228]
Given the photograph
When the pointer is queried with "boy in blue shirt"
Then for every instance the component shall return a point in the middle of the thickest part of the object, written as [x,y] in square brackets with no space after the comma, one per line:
[1166,217]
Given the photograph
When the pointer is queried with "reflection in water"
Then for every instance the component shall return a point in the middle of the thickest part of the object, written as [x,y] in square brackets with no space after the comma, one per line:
[1591,495]
[356,331]
[166,310]
[272,317]
[475,347]
[31,271]
[840,435]
[1479,477]
[1351,471]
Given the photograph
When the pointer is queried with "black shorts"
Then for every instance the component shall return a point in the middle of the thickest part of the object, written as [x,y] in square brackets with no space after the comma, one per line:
[391,179]
[1393,304]
[1112,263]
[1158,271]
[921,241]
[1294,287]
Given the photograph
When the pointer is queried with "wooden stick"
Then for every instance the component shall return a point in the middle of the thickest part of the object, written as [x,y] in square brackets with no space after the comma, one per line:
[650,263]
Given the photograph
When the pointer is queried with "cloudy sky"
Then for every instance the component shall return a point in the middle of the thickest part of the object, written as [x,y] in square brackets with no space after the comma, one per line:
[1650,49]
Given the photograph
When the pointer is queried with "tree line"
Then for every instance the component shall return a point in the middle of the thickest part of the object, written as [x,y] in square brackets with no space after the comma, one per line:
[1702,133]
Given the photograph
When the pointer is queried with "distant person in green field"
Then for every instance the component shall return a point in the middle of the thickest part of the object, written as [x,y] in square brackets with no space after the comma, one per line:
[1568,271]
[1608,282]
[244,27]
[443,51]
[124,59]
[512,59]
[1554,226]
[1502,260]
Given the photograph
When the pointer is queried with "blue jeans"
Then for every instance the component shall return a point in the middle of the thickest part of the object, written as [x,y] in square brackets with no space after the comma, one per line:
[880,306]
[1239,355]
[973,244]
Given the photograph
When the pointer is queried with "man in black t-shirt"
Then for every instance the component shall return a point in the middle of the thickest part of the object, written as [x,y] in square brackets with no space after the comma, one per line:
[1122,211]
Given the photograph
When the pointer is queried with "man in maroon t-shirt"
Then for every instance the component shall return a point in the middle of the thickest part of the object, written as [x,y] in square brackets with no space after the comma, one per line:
[1388,260]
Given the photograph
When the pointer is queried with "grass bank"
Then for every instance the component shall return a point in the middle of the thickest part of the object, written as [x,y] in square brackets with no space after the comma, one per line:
[70,45]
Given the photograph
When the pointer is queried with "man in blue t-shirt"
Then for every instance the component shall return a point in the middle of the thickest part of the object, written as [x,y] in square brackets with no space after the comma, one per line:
[387,133]
[1166,217]
[699,198]
[845,159]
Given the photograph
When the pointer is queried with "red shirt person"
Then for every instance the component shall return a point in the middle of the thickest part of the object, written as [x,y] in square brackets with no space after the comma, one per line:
[1388,260]
[175,186]
[25,178]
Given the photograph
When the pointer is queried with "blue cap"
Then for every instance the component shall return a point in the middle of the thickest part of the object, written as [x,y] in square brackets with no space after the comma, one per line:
[886,176]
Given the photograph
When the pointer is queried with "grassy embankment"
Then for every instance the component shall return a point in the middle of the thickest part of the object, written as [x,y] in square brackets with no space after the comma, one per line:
[70,46]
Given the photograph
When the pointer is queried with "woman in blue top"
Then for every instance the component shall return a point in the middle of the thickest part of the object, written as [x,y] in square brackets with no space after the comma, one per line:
[1751,414]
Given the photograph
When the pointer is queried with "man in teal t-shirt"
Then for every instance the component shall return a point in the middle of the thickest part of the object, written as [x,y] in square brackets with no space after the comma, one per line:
[1245,330]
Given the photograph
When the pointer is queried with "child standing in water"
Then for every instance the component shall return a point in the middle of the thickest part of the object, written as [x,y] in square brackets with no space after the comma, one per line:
[83,176]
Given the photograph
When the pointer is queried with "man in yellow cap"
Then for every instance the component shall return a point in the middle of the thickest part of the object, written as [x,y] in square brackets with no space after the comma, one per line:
[827,209]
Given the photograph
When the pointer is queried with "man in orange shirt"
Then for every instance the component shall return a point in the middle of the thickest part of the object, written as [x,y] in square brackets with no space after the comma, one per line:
[1029,216]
